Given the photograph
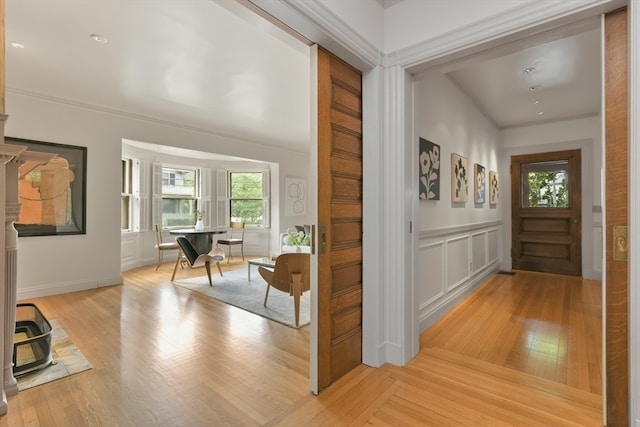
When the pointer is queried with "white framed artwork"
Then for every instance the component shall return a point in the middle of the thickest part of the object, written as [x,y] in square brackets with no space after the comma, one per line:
[295,196]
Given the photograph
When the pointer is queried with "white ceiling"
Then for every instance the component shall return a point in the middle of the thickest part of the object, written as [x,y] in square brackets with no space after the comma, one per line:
[195,63]
[563,79]
[215,66]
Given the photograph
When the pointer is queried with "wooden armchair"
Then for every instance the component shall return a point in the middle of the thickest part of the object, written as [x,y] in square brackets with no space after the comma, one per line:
[291,274]
[198,260]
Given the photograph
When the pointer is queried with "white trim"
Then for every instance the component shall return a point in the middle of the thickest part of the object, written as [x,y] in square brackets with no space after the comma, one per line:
[315,21]
[312,188]
[524,21]
[466,228]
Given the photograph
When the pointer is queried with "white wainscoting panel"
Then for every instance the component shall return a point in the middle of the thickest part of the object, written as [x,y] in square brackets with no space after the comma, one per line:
[451,262]
[129,251]
[430,264]
[493,237]
[457,261]
[478,251]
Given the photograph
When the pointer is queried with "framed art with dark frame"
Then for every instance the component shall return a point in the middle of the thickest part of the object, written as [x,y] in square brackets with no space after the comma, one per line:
[52,196]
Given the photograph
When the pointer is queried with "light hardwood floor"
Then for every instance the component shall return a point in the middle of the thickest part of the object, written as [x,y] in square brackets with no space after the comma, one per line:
[521,351]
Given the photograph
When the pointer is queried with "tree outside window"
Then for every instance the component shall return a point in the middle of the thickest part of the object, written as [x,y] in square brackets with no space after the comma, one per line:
[179,196]
[546,185]
[246,197]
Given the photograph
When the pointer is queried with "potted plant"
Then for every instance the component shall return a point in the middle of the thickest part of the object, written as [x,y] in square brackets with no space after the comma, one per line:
[199,224]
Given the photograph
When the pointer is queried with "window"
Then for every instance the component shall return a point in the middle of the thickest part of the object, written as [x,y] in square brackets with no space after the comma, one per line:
[546,184]
[179,196]
[246,197]
[126,200]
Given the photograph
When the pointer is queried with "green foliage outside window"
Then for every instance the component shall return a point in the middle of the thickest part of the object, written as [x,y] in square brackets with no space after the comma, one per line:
[246,197]
[547,189]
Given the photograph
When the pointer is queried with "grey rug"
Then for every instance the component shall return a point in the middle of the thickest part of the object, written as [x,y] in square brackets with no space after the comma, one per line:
[234,289]
[67,360]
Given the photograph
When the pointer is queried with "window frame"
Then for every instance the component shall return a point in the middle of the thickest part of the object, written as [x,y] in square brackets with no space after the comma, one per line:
[265,198]
[126,189]
[196,197]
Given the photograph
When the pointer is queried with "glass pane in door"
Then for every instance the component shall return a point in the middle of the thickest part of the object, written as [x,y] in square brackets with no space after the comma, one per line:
[545,184]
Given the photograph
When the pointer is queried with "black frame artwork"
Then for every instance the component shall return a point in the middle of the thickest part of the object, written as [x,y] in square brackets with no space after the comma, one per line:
[74,161]
[429,170]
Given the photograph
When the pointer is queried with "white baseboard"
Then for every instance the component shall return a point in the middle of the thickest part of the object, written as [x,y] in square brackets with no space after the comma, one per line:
[64,288]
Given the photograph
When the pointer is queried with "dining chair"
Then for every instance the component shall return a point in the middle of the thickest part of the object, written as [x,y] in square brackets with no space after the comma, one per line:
[162,246]
[291,275]
[236,228]
[195,260]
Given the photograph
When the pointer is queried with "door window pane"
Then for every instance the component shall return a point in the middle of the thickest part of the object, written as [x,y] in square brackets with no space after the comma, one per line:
[545,184]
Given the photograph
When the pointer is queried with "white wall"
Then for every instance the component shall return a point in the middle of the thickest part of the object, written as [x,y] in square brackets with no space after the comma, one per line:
[71,263]
[458,244]
[584,134]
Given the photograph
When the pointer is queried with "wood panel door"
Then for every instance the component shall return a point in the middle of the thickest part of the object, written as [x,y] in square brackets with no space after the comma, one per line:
[617,205]
[339,218]
[546,212]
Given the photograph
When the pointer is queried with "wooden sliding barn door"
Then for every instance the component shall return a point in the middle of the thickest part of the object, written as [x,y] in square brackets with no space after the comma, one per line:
[339,218]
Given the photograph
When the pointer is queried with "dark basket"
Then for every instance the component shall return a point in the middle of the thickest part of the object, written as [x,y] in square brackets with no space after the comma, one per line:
[32,343]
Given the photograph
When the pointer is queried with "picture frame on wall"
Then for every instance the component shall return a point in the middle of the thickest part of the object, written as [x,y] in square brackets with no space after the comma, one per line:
[494,188]
[295,196]
[480,180]
[429,170]
[459,179]
[53,195]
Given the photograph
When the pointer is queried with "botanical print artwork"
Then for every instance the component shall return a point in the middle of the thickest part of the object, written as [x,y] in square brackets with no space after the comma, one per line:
[429,170]
[493,188]
[459,184]
[479,183]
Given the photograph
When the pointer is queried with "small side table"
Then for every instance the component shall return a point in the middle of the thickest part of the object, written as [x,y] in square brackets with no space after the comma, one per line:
[261,262]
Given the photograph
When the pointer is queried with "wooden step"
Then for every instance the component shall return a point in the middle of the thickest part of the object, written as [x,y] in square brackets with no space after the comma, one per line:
[490,394]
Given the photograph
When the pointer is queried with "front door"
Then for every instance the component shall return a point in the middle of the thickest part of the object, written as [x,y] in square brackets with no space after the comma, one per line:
[546,212]
[339,218]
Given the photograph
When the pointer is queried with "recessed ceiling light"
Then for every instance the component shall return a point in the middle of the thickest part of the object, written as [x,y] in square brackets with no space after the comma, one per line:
[99,38]
[17,45]
[529,70]
[537,101]
[540,113]
[534,88]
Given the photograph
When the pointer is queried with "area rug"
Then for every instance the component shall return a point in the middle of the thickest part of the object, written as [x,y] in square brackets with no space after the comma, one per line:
[67,360]
[235,289]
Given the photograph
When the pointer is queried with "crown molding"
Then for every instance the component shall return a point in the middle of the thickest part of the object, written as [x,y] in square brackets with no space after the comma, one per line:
[221,137]
[530,19]
[316,22]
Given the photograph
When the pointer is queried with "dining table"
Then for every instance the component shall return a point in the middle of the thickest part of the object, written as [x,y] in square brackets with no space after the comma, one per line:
[202,240]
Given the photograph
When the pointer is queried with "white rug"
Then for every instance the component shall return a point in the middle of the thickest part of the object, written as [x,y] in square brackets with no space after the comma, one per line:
[67,360]
[234,289]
